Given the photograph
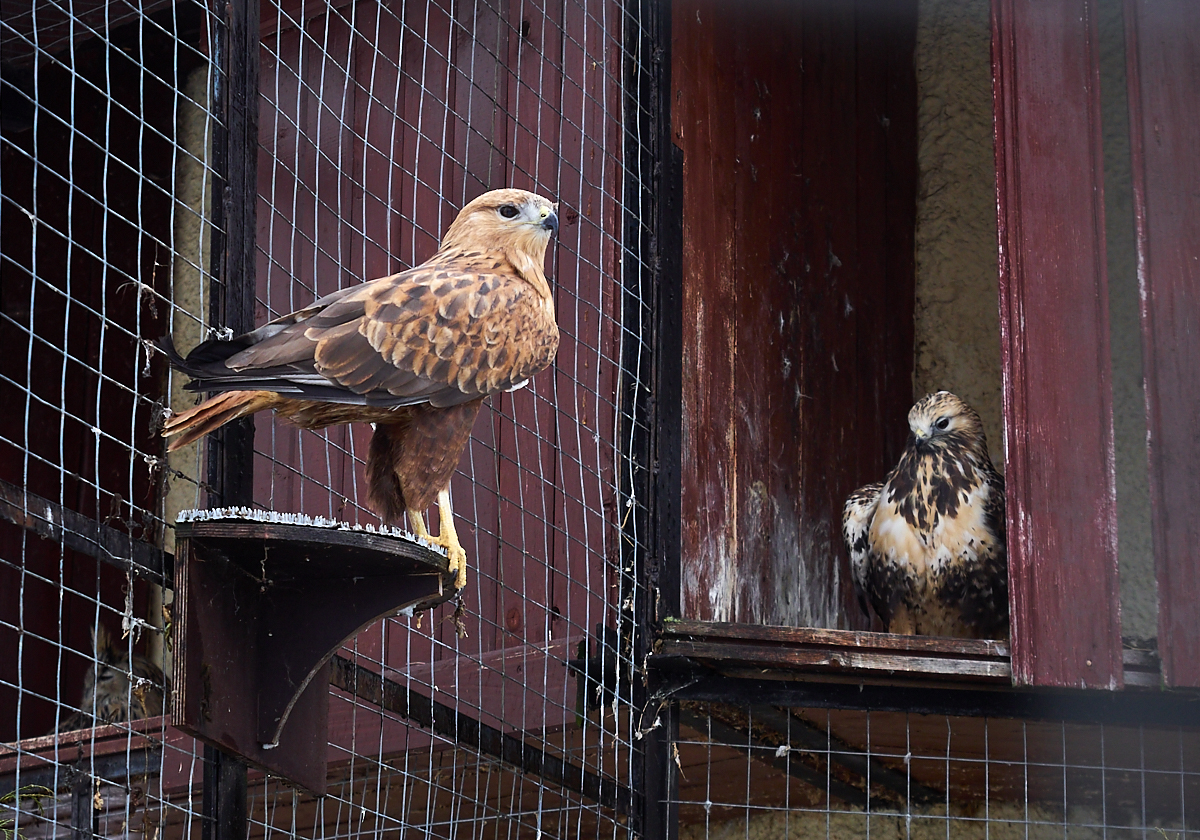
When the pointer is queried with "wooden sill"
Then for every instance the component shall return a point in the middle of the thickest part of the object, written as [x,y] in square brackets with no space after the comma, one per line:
[113,751]
[77,744]
[785,652]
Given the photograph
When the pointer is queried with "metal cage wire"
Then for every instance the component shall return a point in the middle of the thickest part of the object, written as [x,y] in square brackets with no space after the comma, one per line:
[377,121]
[94,96]
[778,772]
[377,124]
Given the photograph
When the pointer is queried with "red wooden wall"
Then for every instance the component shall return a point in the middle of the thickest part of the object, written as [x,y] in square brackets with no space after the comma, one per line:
[797,124]
[1058,409]
[1054,334]
[378,121]
[1163,60]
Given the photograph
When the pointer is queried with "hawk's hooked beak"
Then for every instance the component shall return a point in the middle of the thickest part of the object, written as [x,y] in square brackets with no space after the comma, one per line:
[550,220]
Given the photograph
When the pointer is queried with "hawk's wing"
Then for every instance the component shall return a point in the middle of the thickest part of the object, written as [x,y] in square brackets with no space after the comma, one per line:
[451,330]
[857,514]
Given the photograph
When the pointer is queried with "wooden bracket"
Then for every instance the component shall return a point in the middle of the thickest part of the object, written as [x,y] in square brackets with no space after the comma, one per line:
[260,608]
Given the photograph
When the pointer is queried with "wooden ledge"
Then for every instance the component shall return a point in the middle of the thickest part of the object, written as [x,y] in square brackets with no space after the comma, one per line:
[780,652]
[81,746]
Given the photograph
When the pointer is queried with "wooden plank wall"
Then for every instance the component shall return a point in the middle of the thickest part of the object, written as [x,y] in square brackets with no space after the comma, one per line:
[797,124]
[1164,103]
[1061,480]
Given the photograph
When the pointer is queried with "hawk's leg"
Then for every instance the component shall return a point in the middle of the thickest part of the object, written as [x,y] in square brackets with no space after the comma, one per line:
[416,521]
[903,622]
[447,537]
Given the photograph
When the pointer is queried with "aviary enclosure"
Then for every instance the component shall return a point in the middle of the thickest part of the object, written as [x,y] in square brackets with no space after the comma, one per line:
[658,638]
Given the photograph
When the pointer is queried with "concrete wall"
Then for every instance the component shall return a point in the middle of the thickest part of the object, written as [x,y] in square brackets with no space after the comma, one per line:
[957,311]
[1139,593]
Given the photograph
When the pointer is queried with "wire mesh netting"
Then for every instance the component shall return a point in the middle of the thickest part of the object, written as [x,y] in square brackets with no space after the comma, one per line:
[94,99]
[773,772]
[509,711]
[377,122]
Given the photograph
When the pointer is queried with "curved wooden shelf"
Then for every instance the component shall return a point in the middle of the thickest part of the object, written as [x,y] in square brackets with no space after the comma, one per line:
[261,608]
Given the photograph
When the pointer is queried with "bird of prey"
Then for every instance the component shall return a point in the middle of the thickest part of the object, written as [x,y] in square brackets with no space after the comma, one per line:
[415,353]
[927,547]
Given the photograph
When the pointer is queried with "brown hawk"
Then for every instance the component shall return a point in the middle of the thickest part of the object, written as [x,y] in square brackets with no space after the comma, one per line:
[415,353]
[927,548]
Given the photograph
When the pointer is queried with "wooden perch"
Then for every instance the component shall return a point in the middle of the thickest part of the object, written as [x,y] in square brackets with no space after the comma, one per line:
[261,607]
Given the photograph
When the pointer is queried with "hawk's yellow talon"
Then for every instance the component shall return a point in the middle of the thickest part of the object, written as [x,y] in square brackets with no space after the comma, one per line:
[447,537]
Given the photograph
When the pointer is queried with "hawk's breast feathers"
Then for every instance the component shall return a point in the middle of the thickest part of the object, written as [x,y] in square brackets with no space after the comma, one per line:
[927,545]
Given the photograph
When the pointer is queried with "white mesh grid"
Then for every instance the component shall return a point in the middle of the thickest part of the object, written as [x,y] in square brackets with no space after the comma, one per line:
[98,239]
[378,121]
[804,773]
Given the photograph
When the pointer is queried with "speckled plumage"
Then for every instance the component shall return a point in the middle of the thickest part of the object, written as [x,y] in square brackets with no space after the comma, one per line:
[414,353]
[118,687]
[927,545]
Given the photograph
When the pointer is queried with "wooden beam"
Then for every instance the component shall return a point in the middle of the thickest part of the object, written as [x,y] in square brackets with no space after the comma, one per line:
[1120,708]
[223,801]
[803,734]
[743,739]
[785,650]
[466,731]
[235,162]
[83,534]
[1062,517]
[230,451]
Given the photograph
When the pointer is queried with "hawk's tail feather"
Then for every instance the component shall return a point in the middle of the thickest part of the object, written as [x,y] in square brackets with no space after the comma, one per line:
[207,359]
[193,424]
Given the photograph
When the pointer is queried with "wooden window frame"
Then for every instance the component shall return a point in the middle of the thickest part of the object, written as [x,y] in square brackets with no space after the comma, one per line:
[1057,377]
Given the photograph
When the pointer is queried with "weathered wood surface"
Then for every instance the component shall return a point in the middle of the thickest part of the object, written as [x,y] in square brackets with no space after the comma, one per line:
[844,638]
[171,754]
[1164,105]
[797,125]
[1062,537]
[784,649]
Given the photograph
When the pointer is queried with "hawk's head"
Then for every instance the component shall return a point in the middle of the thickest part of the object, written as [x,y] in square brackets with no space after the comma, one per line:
[942,420]
[505,220]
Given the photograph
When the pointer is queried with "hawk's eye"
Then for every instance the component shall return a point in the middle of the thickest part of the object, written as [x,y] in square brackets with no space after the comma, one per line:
[508,211]
[944,423]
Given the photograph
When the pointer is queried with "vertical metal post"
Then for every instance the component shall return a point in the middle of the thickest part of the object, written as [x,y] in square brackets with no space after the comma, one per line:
[231,453]
[657,191]
[85,822]
[224,799]
[662,778]
[235,159]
